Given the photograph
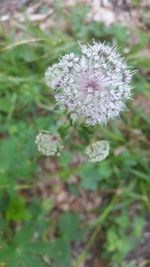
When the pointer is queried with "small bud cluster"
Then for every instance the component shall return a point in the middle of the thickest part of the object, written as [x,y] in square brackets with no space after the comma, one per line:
[93,87]
[49,145]
[97,151]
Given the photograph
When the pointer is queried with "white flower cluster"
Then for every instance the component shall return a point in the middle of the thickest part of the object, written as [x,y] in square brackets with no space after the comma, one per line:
[97,151]
[91,88]
[49,145]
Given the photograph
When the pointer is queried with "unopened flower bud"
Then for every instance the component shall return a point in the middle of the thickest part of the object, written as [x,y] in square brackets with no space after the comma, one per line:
[97,151]
[49,145]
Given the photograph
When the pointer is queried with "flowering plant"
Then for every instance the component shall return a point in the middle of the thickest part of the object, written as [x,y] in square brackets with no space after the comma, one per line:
[92,88]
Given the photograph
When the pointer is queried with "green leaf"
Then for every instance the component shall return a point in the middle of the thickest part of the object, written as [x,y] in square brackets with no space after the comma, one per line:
[141,175]
[25,234]
[13,262]
[39,248]
[69,226]
[60,253]
[123,220]
[16,209]
[89,183]
[129,265]
[65,158]
[5,252]
[33,261]
[138,226]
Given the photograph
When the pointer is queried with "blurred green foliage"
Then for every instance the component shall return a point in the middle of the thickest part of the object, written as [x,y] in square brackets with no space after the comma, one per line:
[27,105]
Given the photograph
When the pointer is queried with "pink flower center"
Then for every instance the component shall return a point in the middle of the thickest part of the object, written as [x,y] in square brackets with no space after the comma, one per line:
[90,83]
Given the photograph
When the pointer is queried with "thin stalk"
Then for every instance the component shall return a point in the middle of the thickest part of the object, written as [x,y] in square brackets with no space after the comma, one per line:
[16,187]
[93,237]
[22,42]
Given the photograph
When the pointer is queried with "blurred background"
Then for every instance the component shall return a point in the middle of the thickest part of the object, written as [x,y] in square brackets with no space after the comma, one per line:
[48,205]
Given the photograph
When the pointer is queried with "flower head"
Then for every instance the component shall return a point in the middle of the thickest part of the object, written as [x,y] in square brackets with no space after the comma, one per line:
[49,145]
[91,88]
[97,151]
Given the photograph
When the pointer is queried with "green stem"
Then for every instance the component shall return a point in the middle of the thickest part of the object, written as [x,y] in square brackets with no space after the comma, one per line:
[93,237]
[16,187]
